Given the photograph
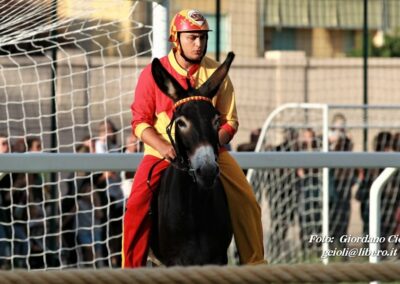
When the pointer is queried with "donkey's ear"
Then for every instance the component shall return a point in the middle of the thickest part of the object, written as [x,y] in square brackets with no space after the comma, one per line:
[211,86]
[167,84]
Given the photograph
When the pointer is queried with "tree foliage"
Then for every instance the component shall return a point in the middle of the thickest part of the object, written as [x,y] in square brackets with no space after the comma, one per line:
[390,47]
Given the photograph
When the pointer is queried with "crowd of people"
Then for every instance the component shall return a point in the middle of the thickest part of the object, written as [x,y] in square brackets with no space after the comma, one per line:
[88,209]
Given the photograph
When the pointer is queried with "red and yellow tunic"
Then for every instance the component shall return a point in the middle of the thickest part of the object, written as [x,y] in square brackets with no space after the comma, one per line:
[152,108]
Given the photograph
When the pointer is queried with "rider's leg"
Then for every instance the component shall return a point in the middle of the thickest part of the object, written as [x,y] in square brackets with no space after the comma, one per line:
[244,210]
[137,222]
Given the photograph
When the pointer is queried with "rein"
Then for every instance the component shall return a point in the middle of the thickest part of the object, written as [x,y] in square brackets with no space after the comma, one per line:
[181,162]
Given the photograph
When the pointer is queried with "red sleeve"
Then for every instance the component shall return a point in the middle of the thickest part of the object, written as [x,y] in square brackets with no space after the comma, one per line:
[229,129]
[143,106]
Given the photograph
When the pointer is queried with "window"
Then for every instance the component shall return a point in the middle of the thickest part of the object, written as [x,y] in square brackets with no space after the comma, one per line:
[224,33]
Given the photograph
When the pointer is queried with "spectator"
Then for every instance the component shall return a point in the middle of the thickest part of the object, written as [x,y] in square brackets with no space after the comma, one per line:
[282,201]
[383,142]
[290,141]
[69,207]
[106,143]
[88,146]
[133,145]
[391,199]
[36,181]
[396,142]
[337,130]
[108,186]
[68,229]
[13,210]
[87,221]
[251,145]
[38,208]
[19,221]
[18,146]
[107,137]
[5,213]
[309,186]
[340,185]
[396,148]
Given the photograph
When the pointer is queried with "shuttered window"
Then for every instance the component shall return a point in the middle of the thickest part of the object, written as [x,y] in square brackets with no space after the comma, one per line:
[271,13]
[294,13]
[323,13]
[339,14]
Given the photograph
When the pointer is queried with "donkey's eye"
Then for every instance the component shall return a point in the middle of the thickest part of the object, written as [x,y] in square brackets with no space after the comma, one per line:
[181,123]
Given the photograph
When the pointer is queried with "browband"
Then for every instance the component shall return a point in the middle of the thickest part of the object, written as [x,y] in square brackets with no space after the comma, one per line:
[193,98]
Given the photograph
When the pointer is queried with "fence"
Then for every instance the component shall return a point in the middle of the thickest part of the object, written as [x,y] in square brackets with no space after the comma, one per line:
[60,255]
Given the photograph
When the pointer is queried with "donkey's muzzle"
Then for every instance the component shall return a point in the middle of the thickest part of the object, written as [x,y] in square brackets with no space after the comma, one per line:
[207,174]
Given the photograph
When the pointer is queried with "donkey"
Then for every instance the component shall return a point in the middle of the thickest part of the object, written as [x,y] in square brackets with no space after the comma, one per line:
[191,223]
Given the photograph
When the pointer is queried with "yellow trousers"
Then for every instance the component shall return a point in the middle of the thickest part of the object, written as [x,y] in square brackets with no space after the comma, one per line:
[244,210]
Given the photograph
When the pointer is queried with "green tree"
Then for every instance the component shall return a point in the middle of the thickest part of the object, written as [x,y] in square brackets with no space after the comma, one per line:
[390,48]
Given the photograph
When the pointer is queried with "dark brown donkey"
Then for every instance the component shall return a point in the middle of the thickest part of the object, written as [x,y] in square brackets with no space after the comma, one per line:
[191,224]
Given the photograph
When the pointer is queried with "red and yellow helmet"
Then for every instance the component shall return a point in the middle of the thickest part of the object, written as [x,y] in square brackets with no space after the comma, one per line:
[187,21]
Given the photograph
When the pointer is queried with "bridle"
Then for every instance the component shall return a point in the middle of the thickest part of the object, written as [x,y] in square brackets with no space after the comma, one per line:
[182,162]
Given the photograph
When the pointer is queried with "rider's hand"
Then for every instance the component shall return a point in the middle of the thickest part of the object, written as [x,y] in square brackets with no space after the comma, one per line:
[167,151]
[156,141]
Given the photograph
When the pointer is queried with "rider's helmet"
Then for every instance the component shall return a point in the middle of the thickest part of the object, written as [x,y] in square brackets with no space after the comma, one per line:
[186,21]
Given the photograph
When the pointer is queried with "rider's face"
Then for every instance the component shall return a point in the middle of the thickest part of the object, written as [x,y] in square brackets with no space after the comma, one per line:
[193,44]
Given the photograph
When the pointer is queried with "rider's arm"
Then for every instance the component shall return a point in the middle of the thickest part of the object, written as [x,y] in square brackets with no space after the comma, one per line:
[226,105]
[143,112]
[144,105]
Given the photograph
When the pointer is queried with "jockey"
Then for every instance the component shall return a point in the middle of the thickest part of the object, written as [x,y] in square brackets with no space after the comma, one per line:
[152,112]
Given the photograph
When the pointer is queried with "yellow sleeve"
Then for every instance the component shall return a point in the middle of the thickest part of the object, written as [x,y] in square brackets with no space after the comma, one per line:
[225,103]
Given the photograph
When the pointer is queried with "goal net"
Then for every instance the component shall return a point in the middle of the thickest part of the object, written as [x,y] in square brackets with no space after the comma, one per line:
[292,198]
[287,193]
[68,69]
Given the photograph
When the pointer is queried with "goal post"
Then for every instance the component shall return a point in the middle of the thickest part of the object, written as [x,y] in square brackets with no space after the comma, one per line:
[375,211]
[160,28]
[261,143]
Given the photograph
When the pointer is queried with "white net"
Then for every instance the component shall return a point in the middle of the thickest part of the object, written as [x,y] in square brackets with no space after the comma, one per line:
[291,198]
[67,75]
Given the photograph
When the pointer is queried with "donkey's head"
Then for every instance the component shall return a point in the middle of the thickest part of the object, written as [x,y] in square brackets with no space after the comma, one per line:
[195,119]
